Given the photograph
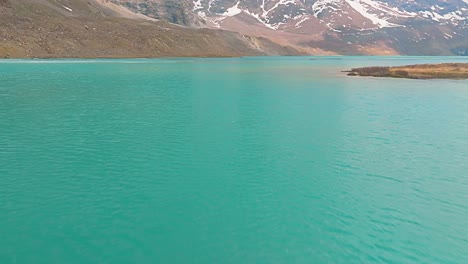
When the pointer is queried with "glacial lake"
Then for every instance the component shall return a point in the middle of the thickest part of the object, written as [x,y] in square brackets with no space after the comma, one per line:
[240,160]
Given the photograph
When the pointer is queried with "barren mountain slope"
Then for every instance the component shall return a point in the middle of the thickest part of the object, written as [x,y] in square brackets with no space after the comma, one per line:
[99,28]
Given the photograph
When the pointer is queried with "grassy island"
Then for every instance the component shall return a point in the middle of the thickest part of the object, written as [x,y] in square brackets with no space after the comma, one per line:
[420,71]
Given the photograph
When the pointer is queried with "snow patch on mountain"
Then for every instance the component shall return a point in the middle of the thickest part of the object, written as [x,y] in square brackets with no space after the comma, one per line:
[261,20]
[67,8]
[235,10]
[303,18]
[198,8]
[438,17]
[324,5]
[363,7]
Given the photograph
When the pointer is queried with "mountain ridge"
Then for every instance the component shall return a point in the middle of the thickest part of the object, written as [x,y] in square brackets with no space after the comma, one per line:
[99,28]
[434,27]
[204,28]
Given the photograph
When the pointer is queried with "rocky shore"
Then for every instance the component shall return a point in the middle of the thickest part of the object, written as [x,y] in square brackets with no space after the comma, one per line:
[420,71]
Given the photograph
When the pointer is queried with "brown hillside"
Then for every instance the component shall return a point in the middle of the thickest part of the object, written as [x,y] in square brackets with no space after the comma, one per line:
[98,28]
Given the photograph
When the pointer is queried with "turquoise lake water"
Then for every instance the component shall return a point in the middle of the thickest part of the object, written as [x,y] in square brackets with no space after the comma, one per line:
[250,160]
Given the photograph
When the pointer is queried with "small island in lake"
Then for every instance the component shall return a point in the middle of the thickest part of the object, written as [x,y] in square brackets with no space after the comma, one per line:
[420,71]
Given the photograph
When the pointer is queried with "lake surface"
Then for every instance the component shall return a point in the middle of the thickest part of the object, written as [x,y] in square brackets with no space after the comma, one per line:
[250,160]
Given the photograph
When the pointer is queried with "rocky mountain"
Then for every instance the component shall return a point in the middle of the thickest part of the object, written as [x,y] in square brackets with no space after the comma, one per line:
[177,12]
[153,28]
[336,14]
[432,27]
[100,28]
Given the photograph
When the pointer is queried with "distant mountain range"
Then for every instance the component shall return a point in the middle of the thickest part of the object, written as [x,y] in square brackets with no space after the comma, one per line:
[153,28]
[430,27]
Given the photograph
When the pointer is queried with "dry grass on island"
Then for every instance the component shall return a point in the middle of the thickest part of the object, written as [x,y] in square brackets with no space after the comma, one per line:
[421,71]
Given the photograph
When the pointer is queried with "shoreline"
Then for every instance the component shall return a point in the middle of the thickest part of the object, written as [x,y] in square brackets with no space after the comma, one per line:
[311,57]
